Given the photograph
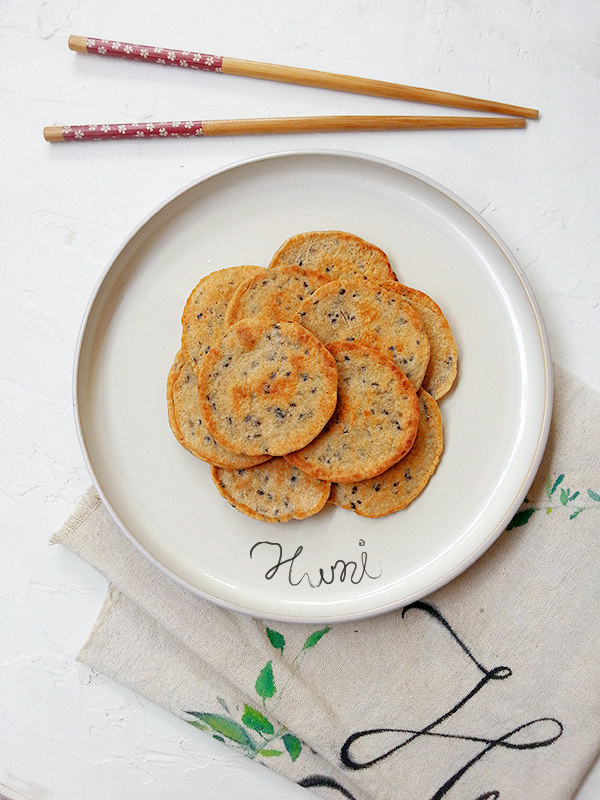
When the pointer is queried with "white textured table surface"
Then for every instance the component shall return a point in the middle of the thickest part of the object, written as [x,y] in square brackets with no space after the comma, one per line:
[67,733]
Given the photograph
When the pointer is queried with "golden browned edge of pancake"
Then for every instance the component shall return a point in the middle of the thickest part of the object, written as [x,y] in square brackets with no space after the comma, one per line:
[174,372]
[293,240]
[250,512]
[416,296]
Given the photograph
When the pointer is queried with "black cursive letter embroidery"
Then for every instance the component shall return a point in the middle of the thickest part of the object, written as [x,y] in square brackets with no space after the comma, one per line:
[550,729]
[315,781]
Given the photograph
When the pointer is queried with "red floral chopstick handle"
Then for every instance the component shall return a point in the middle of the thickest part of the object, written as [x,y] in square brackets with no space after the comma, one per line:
[157,55]
[131,130]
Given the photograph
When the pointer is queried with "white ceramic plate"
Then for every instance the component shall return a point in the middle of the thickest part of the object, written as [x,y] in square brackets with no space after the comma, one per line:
[495,419]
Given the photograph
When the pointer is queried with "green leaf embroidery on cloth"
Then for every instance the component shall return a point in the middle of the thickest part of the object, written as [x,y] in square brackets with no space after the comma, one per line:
[293,745]
[523,516]
[226,727]
[265,683]
[566,496]
[276,639]
[255,720]
[520,518]
[551,487]
[315,637]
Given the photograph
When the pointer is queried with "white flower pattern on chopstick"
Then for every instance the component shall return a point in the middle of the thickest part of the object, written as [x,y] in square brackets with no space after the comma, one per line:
[131,130]
[158,55]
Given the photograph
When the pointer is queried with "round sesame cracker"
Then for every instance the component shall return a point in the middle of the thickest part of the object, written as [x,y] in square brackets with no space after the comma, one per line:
[336,254]
[374,423]
[376,315]
[443,359]
[267,389]
[203,317]
[186,421]
[402,483]
[272,492]
[275,294]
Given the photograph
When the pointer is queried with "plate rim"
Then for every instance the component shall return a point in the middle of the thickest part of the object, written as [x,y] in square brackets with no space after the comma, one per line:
[537,456]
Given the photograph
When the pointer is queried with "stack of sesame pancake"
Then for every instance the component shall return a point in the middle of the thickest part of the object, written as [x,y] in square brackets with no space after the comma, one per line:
[313,380]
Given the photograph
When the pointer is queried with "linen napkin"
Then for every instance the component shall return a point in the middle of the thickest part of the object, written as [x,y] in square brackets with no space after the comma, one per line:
[489,688]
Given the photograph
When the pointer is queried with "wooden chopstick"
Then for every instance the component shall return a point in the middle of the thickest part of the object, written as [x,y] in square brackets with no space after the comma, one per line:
[278,72]
[237,127]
